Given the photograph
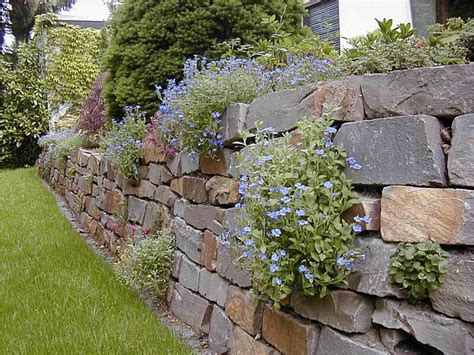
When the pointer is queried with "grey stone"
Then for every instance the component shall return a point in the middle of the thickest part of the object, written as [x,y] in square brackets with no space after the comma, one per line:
[233,164]
[226,267]
[152,218]
[395,151]
[244,344]
[188,239]
[461,154]
[213,287]
[191,308]
[455,297]
[372,276]
[392,337]
[333,342]
[176,263]
[183,164]
[231,219]
[233,121]
[281,110]
[220,332]
[340,309]
[146,189]
[201,216]
[448,335]
[136,209]
[179,206]
[164,195]
[159,174]
[446,91]
[189,274]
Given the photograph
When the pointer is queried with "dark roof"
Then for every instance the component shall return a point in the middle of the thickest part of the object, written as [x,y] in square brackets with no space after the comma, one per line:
[86,24]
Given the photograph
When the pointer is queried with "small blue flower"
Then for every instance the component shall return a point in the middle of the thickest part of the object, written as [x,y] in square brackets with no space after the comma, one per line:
[284,211]
[300,213]
[249,243]
[216,115]
[240,205]
[274,268]
[245,230]
[302,268]
[247,253]
[257,196]
[309,277]
[328,184]
[285,199]
[301,186]
[357,228]
[273,215]
[275,257]
[341,261]
[319,151]
[276,232]
[331,130]
[262,256]
[351,252]
[284,190]
[263,159]
[260,181]
[356,166]
[351,160]
[282,252]
[278,281]
[244,178]
[303,223]
[350,265]
[362,257]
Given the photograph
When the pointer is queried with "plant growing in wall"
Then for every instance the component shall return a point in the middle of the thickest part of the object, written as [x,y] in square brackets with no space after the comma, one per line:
[145,264]
[293,195]
[418,268]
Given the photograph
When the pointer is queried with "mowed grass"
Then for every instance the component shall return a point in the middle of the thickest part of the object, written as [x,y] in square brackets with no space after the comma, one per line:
[56,295]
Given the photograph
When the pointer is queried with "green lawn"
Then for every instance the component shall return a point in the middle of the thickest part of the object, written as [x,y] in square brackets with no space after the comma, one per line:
[56,295]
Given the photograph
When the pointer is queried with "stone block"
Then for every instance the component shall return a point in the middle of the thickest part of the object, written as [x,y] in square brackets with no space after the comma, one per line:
[333,342]
[282,109]
[83,157]
[231,219]
[445,91]
[220,332]
[110,168]
[114,202]
[159,174]
[344,310]
[344,96]
[143,172]
[136,209]
[209,251]
[449,335]
[189,274]
[461,153]
[98,191]
[220,165]
[191,308]
[128,186]
[164,195]
[227,267]
[188,239]
[176,263]
[234,120]
[153,153]
[213,287]
[201,216]
[153,217]
[91,207]
[289,334]
[182,164]
[146,189]
[245,309]
[191,187]
[444,216]
[455,297]
[377,257]
[179,206]
[243,344]
[395,151]
[85,184]
[109,185]
[223,191]
[367,206]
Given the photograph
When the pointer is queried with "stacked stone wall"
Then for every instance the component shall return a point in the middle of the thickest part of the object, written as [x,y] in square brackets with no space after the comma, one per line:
[413,132]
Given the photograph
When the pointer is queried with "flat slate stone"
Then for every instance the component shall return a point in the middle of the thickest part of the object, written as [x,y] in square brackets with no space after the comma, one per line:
[188,239]
[333,342]
[445,91]
[402,150]
[220,332]
[461,154]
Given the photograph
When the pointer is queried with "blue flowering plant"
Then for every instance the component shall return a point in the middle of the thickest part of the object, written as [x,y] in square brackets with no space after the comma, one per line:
[293,196]
[124,142]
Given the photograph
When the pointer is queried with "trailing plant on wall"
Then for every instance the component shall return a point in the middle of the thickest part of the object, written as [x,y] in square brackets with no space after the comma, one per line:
[419,268]
[124,142]
[145,264]
[293,195]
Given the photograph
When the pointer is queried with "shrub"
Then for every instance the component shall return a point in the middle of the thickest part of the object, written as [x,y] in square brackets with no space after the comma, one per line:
[23,107]
[124,142]
[288,241]
[146,262]
[92,117]
[456,34]
[419,268]
[150,40]
[192,110]
[396,48]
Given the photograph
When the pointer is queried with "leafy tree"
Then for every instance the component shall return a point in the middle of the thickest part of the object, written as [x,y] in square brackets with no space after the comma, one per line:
[151,40]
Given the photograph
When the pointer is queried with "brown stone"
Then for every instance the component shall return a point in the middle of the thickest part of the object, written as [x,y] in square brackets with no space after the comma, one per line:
[209,251]
[136,209]
[344,310]
[218,165]
[146,189]
[244,308]
[367,206]
[223,191]
[153,217]
[91,208]
[289,334]
[159,174]
[164,195]
[83,157]
[191,187]
[114,202]
[152,153]
[411,214]
[201,216]
[243,344]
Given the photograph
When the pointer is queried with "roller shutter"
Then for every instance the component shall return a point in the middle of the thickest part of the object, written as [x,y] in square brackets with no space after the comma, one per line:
[323,19]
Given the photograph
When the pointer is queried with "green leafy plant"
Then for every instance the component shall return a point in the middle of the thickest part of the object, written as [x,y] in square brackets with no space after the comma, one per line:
[145,264]
[124,142]
[456,34]
[419,268]
[294,195]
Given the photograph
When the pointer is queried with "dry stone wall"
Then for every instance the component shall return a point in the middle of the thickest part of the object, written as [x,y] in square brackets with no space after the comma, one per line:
[413,131]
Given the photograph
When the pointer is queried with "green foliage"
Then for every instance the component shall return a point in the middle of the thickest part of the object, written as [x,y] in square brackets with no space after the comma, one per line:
[419,268]
[150,40]
[395,48]
[288,240]
[72,65]
[23,107]
[146,262]
[456,34]
[124,142]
